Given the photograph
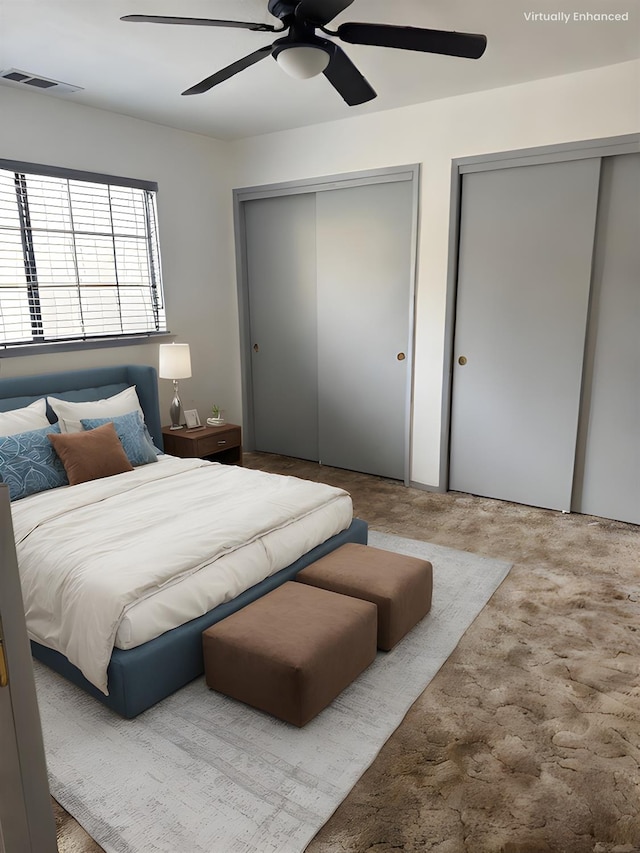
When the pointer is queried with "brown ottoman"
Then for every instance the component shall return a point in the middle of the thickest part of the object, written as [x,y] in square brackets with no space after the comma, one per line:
[400,586]
[292,651]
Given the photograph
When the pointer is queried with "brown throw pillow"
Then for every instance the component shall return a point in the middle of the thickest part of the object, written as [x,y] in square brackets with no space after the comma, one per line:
[92,454]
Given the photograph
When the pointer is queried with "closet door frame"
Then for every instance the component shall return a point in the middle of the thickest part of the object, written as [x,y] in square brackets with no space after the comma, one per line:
[241,195]
[579,150]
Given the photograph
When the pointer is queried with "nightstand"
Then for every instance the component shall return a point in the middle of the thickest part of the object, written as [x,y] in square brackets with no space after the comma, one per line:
[218,444]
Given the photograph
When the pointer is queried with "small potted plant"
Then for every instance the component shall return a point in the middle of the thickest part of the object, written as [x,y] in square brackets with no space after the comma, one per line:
[216,418]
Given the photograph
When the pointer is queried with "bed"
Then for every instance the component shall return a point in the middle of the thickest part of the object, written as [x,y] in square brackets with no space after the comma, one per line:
[137,678]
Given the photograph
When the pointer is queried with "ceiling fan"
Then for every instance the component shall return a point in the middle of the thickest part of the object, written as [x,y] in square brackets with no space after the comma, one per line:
[302,53]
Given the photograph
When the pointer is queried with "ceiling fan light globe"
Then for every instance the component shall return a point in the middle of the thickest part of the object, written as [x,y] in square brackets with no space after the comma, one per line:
[303,61]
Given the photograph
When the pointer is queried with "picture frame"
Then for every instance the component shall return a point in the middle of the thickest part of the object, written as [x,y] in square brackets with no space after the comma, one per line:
[192,418]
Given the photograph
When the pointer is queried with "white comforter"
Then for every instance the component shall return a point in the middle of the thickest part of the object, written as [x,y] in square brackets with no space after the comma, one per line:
[89,553]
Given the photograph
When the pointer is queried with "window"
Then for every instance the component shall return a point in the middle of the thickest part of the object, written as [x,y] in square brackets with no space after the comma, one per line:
[79,256]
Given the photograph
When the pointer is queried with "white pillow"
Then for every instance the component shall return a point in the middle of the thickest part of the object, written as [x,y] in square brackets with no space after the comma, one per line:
[70,414]
[24,420]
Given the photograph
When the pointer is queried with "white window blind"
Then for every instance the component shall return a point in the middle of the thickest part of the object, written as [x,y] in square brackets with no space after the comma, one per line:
[79,258]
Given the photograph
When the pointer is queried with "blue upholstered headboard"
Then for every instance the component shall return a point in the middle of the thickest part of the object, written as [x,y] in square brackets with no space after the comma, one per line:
[92,384]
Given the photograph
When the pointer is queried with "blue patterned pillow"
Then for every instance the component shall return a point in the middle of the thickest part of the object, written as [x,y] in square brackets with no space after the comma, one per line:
[29,464]
[133,434]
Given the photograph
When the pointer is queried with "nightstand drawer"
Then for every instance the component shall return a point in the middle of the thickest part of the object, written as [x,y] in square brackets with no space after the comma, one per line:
[218,444]
[223,440]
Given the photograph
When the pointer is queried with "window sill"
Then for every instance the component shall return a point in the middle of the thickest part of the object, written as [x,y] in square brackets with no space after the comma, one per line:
[91,343]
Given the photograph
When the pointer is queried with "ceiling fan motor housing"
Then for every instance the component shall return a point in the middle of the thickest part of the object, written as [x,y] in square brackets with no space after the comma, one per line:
[282,8]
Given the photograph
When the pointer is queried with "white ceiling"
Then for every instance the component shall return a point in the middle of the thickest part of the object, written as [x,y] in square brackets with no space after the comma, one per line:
[141,69]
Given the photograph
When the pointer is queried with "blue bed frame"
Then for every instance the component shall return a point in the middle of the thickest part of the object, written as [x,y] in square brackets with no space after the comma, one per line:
[140,677]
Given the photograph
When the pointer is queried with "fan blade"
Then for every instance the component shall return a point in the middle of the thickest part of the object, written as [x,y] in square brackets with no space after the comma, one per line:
[229,71]
[468,45]
[346,79]
[320,12]
[200,22]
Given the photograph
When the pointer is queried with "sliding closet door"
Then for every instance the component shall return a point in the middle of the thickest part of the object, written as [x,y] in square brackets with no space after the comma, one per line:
[281,272]
[364,242]
[526,243]
[608,459]
[329,302]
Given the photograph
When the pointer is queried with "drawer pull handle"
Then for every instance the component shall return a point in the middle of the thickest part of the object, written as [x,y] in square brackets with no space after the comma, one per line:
[221,443]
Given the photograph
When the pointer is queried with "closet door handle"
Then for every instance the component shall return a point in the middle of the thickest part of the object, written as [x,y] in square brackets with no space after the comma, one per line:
[256,348]
[401,356]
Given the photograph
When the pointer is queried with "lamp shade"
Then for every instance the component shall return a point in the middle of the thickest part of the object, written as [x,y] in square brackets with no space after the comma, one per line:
[175,361]
[303,61]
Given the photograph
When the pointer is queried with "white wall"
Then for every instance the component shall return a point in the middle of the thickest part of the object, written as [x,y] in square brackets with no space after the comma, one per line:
[194,204]
[195,176]
[598,103]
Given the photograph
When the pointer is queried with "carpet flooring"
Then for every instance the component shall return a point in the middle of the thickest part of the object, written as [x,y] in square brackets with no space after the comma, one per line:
[527,740]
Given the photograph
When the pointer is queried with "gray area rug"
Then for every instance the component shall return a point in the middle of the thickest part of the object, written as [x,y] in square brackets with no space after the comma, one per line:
[201,773]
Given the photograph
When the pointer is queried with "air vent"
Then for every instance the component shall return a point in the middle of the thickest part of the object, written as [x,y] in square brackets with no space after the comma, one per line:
[34,81]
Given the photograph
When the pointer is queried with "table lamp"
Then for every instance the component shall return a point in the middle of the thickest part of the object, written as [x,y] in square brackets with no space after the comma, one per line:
[175,363]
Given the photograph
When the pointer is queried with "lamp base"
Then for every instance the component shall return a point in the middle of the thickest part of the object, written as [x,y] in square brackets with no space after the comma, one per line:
[174,408]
